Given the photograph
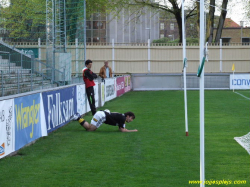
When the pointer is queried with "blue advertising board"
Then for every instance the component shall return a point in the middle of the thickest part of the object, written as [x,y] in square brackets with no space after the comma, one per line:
[27,120]
[59,105]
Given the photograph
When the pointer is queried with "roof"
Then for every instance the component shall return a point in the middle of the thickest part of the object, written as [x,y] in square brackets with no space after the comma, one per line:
[230,23]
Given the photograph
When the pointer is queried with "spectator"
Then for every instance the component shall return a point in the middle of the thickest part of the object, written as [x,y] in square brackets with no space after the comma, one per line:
[105,71]
[88,77]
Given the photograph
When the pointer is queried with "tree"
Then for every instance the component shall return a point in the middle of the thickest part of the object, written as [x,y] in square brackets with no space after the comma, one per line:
[221,20]
[210,20]
[24,19]
[172,7]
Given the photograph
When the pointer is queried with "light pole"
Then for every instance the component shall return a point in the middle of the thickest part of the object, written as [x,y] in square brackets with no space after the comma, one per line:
[241,25]
[149,56]
[148,32]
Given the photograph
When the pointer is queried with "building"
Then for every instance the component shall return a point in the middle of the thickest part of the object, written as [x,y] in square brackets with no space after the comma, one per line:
[234,33]
[133,26]
[169,28]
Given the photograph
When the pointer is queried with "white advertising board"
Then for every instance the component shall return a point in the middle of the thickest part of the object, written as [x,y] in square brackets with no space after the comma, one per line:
[102,94]
[7,128]
[239,81]
[110,89]
[43,121]
[81,99]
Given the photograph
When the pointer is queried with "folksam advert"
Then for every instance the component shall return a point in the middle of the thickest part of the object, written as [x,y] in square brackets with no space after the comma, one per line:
[59,105]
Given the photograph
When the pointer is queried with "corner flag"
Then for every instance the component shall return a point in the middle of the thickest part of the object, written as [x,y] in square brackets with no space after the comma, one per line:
[233,68]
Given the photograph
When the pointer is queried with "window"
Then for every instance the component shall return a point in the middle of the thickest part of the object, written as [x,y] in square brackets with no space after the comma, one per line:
[88,25]
[226,41]
[245,41]
[162,26]
[96,28]
[171,26]
[99,24]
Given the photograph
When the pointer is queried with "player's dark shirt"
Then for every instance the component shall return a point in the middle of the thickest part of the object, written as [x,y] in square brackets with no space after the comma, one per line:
[115,119]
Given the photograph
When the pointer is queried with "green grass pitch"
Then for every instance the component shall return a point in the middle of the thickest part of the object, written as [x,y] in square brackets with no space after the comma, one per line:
[158,155]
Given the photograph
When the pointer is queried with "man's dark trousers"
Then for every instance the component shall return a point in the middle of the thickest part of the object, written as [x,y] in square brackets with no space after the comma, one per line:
[91,99]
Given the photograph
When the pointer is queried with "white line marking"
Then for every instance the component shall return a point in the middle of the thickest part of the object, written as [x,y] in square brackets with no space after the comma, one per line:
[242,95]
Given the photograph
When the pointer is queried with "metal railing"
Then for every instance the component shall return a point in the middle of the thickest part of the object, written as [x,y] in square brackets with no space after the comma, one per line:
[46,71]
[23,73]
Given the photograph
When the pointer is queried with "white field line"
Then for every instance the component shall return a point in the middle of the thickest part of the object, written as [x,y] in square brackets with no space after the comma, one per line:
[242,96]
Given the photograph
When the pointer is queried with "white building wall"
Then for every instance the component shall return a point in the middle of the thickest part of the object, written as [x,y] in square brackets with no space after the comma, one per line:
[131,27]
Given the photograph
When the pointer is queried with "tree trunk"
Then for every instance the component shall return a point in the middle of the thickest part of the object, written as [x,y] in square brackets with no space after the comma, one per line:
[198,16]
[221,21]
[179,23]
[210,22]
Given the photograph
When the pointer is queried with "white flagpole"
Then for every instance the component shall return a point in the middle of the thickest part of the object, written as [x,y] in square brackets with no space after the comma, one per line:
[149,55]
[233,79]
[113,57]
[184,66]
[202,144]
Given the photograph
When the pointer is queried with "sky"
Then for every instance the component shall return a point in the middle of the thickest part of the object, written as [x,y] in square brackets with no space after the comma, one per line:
[236,14]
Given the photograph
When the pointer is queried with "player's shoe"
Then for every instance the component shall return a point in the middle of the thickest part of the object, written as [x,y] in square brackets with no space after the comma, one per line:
[75,117]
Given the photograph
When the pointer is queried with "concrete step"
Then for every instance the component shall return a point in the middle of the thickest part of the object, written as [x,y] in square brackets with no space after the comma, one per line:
[3,64]
[15,80]
[4,61]
[16,70]
[25,89]
[24,84]
[14,75]
[12,83]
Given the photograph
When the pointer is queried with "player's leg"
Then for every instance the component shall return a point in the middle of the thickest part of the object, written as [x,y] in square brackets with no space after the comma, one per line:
[97,121]
[91,128]
[91,98]
[84,123]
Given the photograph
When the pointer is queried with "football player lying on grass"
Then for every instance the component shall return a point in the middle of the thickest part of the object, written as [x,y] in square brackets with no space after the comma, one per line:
[107,117]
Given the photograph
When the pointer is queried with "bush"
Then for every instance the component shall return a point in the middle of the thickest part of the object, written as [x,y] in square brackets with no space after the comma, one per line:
[192,40]
[161,40]
[168,40]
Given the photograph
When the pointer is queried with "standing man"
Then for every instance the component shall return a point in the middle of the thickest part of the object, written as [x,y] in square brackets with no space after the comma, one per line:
[105,71]
[114,119]
[88,77]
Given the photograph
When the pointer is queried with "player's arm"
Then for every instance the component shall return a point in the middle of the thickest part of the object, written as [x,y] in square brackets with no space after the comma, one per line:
[89,75]
[126,130]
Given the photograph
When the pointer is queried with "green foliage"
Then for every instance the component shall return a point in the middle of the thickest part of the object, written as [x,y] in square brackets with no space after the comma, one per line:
[159,154]
[161,40]
[24,19]
[192,40]
[168,40]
